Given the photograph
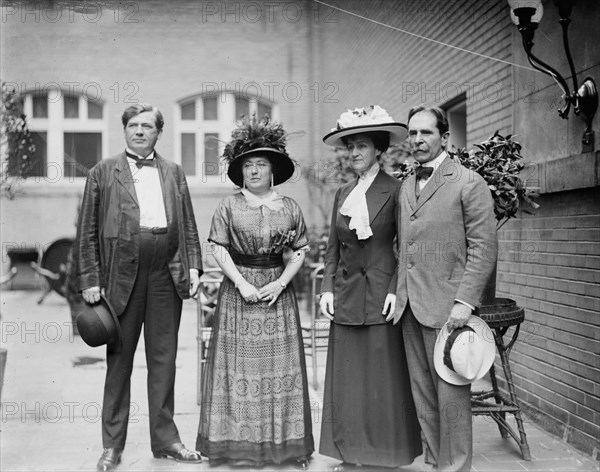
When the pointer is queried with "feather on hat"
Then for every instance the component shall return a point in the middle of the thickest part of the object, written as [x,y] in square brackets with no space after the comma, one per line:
[254,138]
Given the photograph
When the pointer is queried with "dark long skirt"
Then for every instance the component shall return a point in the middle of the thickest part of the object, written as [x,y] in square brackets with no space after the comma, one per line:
[369,415]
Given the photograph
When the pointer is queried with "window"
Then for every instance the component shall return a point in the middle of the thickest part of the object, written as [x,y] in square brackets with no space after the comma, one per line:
[456,111]
[39,160]
[188,153]
[82,152]
[203,126]
[40,106]
[69,132]
[211,153]
[210,108]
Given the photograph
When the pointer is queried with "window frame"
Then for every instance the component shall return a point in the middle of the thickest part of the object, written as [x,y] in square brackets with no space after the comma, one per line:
[222,126]
[456,109]
[56,125]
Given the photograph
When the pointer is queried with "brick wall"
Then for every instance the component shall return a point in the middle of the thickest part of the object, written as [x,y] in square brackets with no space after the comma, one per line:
[550,265]
[372,64]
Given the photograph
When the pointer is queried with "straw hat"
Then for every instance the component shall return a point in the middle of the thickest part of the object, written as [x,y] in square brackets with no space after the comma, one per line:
[364,120]
[465,354]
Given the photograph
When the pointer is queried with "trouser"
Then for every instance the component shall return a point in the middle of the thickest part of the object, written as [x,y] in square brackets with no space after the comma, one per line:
[155,305]
[444,410]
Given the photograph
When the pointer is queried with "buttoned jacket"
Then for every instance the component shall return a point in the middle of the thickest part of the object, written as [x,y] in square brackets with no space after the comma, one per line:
[108,234]
[447,242]
[360,273]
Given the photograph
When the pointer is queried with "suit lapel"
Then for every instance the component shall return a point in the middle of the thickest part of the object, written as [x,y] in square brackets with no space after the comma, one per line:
[438,179]
[409,185]
[343,195]
[124,177]
[168,188]
[377,194]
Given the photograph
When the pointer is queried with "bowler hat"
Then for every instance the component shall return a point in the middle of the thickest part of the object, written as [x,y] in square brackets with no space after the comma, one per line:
[98,324]
[464,354]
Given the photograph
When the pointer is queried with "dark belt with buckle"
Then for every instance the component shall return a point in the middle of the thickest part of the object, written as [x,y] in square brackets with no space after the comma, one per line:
[154,230]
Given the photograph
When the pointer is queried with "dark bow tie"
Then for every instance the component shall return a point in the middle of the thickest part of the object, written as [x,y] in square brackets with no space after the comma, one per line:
[139,162]
[423,173]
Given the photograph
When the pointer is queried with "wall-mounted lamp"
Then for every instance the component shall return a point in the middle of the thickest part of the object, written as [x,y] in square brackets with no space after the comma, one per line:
[526,14]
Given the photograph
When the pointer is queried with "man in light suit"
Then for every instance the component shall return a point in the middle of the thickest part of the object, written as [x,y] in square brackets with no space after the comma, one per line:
[448,249]
[138,244]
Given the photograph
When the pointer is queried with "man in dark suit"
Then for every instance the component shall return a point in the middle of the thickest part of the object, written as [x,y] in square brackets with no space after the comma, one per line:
[448,250]
[138,244]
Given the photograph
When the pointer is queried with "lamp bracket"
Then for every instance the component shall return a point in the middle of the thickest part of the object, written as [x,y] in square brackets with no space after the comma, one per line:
[587,104]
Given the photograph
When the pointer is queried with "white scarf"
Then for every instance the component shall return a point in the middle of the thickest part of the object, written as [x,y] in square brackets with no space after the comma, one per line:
[273,201]
[355,205]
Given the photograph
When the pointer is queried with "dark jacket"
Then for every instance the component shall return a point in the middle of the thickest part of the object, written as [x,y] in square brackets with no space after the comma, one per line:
[107,244]
[361,273]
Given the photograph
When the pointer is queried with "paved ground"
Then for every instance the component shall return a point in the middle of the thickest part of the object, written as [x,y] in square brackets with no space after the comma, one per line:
[53,391]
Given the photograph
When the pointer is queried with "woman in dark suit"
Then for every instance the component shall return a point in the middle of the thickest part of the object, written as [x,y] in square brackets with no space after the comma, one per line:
[368,412]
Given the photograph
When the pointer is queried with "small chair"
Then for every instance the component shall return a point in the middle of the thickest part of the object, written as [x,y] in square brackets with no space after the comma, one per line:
[315,335]
[500,316]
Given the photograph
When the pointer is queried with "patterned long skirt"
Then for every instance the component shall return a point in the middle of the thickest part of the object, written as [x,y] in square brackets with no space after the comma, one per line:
[255,403]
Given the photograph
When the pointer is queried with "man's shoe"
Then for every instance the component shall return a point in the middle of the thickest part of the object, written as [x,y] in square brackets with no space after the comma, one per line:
[178,452]
[344,466]
[300,463]
[109,460]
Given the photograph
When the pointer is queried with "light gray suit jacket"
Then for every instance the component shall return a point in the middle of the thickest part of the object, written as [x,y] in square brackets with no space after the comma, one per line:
[447,243]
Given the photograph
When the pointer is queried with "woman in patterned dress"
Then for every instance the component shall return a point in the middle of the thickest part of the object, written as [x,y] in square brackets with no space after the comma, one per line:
[368,410]
[255,407]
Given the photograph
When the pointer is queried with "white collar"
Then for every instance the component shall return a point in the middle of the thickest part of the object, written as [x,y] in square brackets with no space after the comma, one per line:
[149,156]
[272,201]
[435,163]
[370,173]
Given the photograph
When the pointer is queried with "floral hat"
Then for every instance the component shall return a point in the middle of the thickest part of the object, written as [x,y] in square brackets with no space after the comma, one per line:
[258,138]
[364,120]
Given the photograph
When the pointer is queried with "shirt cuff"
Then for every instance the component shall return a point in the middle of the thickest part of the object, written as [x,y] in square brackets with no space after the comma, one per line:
[197,271]
[465,303]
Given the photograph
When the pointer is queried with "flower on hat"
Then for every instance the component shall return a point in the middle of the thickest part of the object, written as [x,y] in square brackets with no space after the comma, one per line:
[252,133]
[372,115]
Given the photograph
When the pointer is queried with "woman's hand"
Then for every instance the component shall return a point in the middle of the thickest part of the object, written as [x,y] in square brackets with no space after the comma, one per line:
[326,304]
[389,308]
[270,292]
[248,292]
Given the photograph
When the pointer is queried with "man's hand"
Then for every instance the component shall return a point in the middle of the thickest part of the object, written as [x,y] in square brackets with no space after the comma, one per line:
[194,281]
[326,305]
[389,308]
[92,294]
[459,315]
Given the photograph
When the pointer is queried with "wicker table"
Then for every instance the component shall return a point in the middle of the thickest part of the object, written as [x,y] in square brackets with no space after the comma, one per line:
[500,316]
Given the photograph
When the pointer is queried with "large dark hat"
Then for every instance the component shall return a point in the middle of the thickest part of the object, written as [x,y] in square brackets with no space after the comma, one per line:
[98,324]
[365,120]
[258,138]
